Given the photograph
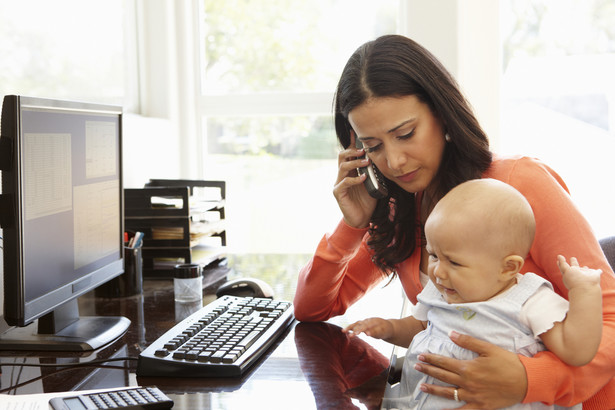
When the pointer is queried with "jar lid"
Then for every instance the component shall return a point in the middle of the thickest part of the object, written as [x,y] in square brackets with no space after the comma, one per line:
[187,270]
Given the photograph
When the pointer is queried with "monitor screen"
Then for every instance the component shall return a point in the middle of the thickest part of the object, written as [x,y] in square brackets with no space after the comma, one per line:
[62,222]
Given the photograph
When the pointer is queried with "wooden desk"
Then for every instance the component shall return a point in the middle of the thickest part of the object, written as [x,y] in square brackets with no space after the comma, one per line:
[313,366]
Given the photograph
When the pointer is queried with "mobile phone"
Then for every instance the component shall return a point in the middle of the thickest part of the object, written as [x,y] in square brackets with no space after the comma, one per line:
[374,183]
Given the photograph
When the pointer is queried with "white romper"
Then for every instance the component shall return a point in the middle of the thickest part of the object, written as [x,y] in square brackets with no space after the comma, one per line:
[512,320]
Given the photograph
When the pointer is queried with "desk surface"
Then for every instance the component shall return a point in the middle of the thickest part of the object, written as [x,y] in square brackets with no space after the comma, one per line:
[314,365]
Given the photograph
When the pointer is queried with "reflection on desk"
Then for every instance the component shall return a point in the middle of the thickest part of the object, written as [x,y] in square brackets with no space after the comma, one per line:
[339,367]
[313,366]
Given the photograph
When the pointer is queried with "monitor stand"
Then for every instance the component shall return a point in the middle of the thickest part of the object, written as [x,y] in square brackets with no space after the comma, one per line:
[64,330]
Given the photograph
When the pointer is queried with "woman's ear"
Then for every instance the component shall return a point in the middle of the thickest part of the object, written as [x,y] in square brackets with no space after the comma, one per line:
[511,265]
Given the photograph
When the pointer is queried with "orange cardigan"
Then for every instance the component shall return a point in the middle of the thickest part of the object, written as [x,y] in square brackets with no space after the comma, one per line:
[341,272]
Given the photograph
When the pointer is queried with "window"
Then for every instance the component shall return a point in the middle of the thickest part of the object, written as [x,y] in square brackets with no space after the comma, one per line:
[559,95]
[268,73]
[68,49]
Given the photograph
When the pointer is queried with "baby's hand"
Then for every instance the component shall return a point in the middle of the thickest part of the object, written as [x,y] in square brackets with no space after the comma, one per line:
[374,327]
[575,275]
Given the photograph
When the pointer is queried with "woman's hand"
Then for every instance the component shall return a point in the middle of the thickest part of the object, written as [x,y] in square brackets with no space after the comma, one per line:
[495,379]
[356,204]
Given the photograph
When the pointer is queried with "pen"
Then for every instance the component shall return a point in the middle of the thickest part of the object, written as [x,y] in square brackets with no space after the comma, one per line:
[138,239]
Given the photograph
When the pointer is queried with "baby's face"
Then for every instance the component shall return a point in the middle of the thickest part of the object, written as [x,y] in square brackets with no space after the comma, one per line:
[461,265]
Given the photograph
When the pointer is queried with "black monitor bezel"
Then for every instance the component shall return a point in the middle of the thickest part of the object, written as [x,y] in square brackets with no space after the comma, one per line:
[17,310]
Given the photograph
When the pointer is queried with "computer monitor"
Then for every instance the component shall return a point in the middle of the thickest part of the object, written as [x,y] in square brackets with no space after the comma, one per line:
[61,213]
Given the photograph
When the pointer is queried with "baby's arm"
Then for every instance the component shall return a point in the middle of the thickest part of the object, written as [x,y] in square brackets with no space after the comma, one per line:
[397,331]
[575,340]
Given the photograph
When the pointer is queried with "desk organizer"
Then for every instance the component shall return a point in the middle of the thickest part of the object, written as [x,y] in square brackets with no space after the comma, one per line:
[183,222]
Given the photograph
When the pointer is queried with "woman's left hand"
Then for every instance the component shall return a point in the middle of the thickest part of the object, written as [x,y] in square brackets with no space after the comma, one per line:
[495,379]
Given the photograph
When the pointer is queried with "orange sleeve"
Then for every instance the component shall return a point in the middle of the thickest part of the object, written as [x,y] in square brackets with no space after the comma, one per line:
[340,273]
[561,229]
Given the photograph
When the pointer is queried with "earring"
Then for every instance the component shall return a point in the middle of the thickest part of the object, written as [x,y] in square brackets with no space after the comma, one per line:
[447,137]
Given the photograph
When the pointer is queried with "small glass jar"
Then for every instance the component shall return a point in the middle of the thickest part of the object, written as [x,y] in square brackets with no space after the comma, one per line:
[188,282]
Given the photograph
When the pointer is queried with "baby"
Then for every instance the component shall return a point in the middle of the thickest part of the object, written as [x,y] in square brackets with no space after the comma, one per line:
[477,238]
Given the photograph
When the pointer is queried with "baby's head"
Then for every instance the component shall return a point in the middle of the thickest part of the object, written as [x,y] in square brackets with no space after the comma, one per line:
[478,236]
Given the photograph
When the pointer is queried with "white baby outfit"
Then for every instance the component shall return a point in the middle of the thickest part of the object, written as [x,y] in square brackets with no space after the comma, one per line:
[512,320]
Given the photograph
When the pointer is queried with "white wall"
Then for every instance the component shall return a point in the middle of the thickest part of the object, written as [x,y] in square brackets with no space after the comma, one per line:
[166,48]
[464,35]
[162,134]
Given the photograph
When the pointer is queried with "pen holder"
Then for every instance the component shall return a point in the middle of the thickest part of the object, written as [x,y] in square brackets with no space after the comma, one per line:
[188,282]
[128,283]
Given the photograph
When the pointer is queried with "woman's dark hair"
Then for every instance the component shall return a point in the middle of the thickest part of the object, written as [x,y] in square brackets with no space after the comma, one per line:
[396,66]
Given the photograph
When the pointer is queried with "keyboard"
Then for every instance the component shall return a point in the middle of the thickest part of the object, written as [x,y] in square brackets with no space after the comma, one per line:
[222,339]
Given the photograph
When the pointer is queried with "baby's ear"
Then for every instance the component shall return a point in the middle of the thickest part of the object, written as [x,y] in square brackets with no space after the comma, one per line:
[511,265]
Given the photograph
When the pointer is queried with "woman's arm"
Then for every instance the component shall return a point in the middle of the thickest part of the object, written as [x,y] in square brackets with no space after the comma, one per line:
[340,273]
[562,230]
[341,270]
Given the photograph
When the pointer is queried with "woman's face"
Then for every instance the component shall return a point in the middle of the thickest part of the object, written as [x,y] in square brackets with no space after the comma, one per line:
[402,138]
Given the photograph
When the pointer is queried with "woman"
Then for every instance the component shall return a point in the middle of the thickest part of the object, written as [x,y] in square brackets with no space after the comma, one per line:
[421,134]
